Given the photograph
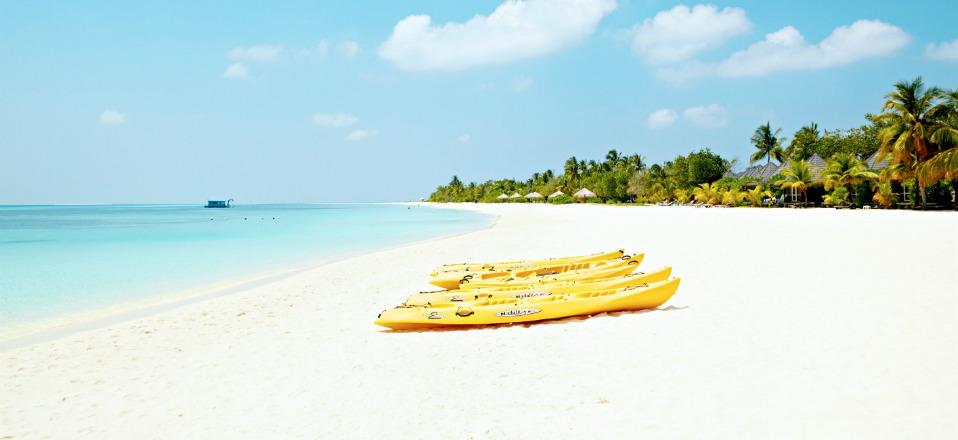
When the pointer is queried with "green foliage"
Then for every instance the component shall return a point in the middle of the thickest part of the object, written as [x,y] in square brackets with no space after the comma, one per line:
[838,197]
[705,166]
[562,199]
[768,142]
[756,196]
[733,197]
[916,131]
[918,124]
[804,143]
[845,169]
[884,196]
[797,176]
[709,193]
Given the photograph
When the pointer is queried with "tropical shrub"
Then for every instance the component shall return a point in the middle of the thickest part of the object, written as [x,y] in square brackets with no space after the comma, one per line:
[838,197]
[756,196]
[732,197]
[562,199]
[884,196]
[797,176]
[707,193]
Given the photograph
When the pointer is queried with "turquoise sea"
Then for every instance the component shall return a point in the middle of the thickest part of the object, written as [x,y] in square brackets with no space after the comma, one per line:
[61,259]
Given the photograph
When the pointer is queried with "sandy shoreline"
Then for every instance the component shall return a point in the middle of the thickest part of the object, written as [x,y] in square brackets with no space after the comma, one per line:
[789,323]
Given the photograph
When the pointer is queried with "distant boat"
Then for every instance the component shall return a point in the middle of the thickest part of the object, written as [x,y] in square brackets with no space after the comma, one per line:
[219,203]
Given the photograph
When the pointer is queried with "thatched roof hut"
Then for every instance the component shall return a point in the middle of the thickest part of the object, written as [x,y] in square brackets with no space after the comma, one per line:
[556,194]
[816,165]
[534,195]
[502,196]
[874,163]
[584,193]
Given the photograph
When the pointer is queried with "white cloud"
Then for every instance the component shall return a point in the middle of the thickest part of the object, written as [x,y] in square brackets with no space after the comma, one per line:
[349,49]
[112,117]
[680,33]
[515,30]
[712,115]
[786,49]
[662,118]
[522,84]
[362,134]
[235,71]
[259,53]
[268,53]
[334,120]
[944,51]
[464,138]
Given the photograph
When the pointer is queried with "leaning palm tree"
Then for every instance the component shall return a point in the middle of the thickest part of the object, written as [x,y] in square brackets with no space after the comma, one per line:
[768,143]
[909,123]
[756,196]
[943,166]
[797,176]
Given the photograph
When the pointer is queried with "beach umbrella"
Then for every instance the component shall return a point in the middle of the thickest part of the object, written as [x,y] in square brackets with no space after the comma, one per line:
[515,196]
[556,194]
[533,195]
[584,193]
[502,196]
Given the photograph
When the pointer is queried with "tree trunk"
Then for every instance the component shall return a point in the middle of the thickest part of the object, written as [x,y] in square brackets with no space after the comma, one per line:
[924,198]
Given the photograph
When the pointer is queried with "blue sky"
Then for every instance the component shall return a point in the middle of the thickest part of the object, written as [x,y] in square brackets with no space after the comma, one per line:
[118,102]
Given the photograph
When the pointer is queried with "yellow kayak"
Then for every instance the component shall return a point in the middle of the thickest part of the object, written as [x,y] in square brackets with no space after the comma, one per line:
[455,280]
[617,268]
[512,310]
[526,264]
[443,297]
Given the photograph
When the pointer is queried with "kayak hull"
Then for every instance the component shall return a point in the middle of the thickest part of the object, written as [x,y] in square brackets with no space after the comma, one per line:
[540,289]
[510,311]
[530,276]
[527,264]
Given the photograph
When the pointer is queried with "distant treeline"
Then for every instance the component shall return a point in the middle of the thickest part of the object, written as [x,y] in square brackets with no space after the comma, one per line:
[915,137]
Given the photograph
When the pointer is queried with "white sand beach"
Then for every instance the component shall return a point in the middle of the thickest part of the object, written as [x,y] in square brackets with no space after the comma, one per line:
[788,324]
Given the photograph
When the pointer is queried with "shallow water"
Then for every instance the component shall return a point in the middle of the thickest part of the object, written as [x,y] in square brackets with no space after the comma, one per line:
[61,259]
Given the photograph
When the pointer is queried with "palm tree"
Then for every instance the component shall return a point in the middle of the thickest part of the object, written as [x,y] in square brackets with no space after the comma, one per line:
[803,144]
[707,193]
[944,165]
[797,176]
[756,196]
[571,171]
[884,196]
[682,196]
[635,161]
[733,197]
[768,143]
[909,122]
[612,157]
[845,170]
